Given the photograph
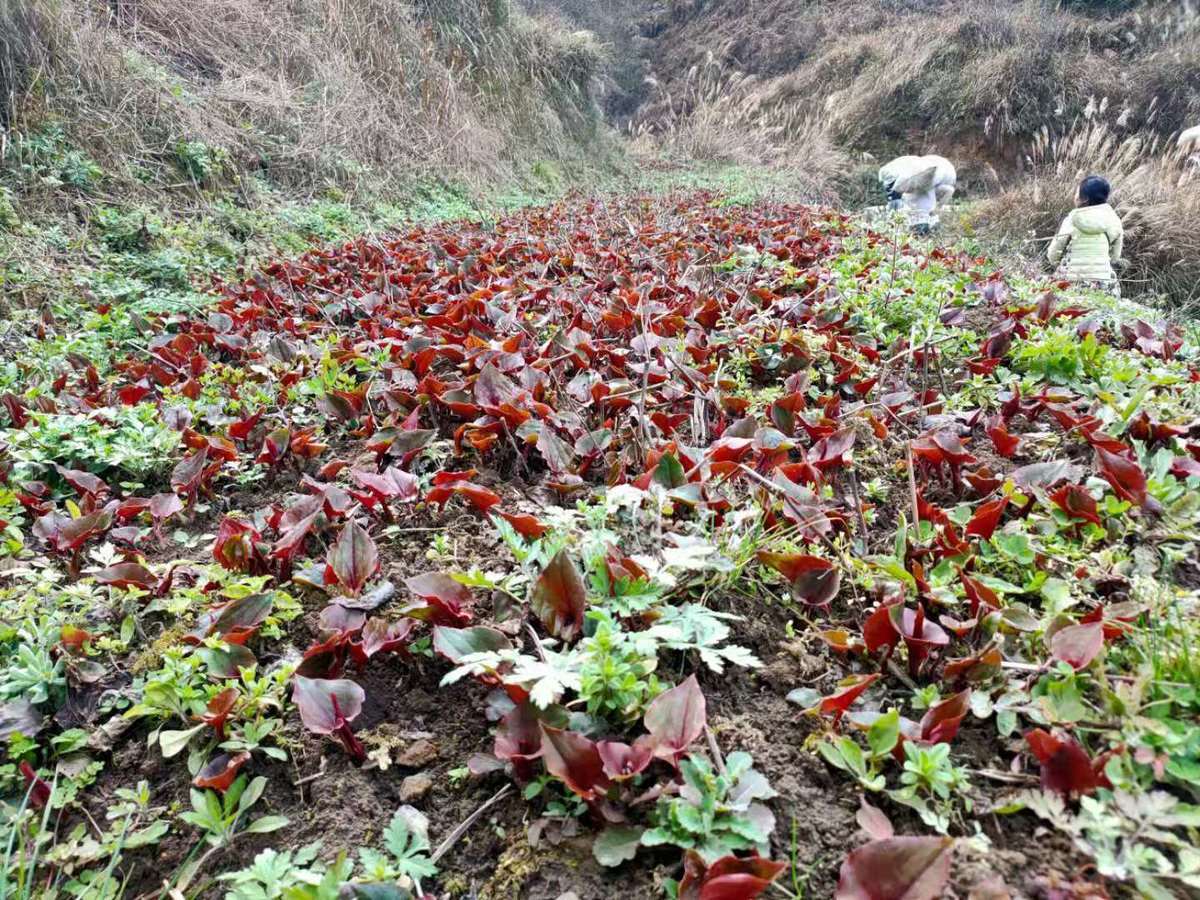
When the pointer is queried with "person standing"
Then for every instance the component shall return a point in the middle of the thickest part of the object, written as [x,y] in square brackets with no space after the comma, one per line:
[1089,243]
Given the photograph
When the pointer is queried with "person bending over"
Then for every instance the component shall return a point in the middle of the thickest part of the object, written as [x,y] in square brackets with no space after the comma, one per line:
[919,185]
[1087,248]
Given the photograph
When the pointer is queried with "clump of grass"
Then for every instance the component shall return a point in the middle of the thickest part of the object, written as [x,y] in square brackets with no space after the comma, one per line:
[721,118]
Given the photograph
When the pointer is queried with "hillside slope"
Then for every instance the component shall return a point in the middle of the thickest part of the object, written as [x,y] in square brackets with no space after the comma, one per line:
[993,74]
[981,79]
[305,95]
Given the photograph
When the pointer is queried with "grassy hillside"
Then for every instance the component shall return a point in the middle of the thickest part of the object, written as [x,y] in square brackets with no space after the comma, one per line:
[985,75]
[148,147]
[1026,96]
[305,95]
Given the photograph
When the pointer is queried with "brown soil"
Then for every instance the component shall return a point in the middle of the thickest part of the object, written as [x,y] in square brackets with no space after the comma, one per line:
[345,807]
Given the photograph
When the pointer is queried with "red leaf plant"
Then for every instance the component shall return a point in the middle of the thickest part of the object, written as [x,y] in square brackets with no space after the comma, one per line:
[942,448]
[849,690]
[983,523]
[1078,645]
[67,536]
[126,575]
[37,787]
[218,711]
[237,548]
[624,761]
[443,600]
[896,868]
[728,878]
[328,707]
[675,718]
[1006,444]
[896,622]
[1066,767]
[1125,475]
[813,580]
[575,760]
[559,598]
[519,740]
[1077,502]
[353,559]
[220,771]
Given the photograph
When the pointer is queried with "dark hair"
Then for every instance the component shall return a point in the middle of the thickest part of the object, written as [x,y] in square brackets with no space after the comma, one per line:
[1094,190]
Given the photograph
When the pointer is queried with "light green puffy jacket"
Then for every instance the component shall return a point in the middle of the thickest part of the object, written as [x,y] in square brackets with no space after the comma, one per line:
[1088,242]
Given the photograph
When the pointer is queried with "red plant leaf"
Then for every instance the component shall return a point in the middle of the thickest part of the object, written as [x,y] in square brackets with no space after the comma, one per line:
[813,580]
[1066,767]
[1006,444]
[1078,645]
[1126,476]
[897,868]
[874,821]
[1077,502]
[391,483]
[575,760]
[481,498]
[38,788]
[849,690]
[444,597]
[558,453]
[326,704]
[234,621]
[921,636]
[878,631]
[623,761]
[979,594]
[675,718]
[830,452]
[353,558]
[126,575]
[524,524]
[940,723]
[559,598]
[728,878]
[163,506]
[235,547]
[987,517]
[85,483]
[220,771]
[188,475]
[519,739]
[380,636]
[297,523]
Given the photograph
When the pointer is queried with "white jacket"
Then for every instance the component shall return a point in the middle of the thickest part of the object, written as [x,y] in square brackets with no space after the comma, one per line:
[924,182]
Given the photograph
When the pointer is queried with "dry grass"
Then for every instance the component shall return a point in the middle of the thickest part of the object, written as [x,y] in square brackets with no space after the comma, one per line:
[1156,190]
[980,74]
[332,92]
[721,118]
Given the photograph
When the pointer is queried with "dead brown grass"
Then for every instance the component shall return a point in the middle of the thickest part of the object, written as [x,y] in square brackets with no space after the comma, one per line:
[721,118]
[886,75]
[334,92]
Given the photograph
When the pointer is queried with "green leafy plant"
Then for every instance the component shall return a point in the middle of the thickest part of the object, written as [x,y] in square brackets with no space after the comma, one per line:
[715,813]
[405,858]
[616,677]
[223,819]
[273,873]
[33,673]
[931,784]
